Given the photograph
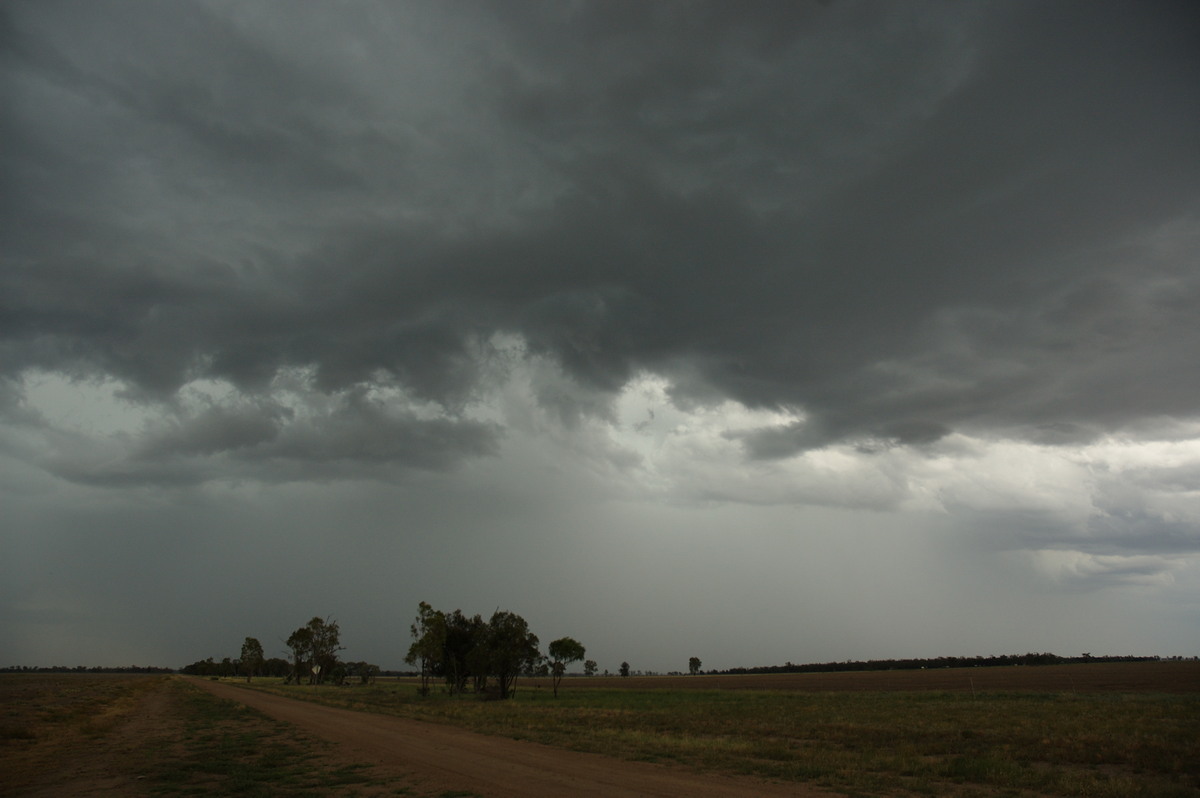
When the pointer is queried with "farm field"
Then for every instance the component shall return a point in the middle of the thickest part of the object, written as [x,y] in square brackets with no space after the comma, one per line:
[1170,677]
[1106,729]
[1116,729]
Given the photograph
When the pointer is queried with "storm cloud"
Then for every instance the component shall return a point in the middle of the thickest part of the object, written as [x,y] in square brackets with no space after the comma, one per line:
[928,262]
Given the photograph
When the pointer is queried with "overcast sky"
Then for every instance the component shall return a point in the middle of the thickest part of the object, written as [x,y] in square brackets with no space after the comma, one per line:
[757,332]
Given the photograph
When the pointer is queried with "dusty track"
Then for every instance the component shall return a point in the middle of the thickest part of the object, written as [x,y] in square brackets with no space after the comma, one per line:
[443,757]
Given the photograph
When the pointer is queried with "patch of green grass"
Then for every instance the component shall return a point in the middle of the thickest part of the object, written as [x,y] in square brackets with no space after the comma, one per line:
[1101,744]
[233,750]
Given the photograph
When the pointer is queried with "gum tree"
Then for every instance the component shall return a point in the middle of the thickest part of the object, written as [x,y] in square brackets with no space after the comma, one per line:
[252,656]
[429,642]
[463,636]
[315,644]
[563,652]
[326,643]
[300,644]
[511,648]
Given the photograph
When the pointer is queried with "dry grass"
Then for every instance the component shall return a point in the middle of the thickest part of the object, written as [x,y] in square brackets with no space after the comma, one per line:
[882,742]
[52,723]
[868,742]
[68,734]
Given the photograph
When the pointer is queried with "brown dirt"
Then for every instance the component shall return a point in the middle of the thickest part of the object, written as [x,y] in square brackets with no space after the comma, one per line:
[435,756]
[102,757]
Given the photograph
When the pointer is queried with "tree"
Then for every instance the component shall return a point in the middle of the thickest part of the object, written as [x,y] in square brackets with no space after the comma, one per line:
[300,643]
[694,665]
[624,668]
[252,656]
[563,652]
[429,641]
[589,667]
[365,672]
[463,636]
[479,659]
[325,643]
[204,667]
[511,648]
[274,666]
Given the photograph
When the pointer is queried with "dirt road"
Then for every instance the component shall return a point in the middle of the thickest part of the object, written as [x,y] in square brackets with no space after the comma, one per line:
[447,758]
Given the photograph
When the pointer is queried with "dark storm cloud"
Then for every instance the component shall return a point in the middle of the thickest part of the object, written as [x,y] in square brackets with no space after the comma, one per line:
[532,302]
[1126,532]
[354,438]
[219,429]
[899,221]
[991,268]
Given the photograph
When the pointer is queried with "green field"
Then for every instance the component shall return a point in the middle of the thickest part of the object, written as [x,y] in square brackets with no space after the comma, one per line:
[861,742]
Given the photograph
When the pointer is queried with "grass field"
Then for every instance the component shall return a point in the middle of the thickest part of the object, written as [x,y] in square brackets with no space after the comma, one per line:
[969,741]
[74,734]
[1130,730]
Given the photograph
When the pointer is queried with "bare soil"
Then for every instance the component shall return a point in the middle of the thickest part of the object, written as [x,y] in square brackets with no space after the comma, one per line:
[100,756]
[435,756]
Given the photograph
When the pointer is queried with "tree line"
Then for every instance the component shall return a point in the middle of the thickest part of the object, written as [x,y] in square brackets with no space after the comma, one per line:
[468,653]
[313,659]
[935,662]
[85,669]
[485,657]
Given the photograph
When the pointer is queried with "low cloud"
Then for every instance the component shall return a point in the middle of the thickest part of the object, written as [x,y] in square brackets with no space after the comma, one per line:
[284,435]
[1078,569]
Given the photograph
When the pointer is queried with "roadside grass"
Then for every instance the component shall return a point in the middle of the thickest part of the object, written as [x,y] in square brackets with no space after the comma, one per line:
[228,748]
[1098,744]
[64,730]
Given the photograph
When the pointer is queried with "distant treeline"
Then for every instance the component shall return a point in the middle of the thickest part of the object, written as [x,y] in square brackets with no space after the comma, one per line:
[275,666]
[85,669]
[936,662]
